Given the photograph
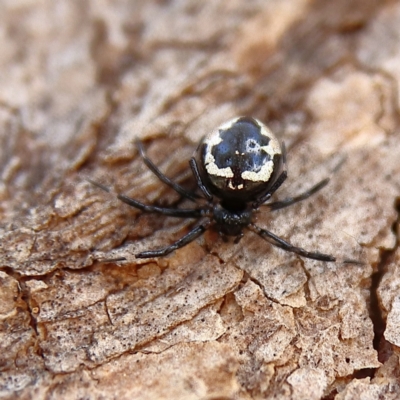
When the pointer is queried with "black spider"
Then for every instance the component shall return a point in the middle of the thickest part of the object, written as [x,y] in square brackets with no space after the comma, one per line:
[237,168]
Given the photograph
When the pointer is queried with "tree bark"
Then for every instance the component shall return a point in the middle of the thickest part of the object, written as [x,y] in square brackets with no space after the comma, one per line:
[80,82]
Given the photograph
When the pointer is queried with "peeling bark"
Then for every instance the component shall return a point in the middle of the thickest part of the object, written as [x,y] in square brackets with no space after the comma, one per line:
[79,82]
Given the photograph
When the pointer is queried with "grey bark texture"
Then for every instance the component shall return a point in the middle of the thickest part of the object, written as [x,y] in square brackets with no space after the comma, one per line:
[79,82]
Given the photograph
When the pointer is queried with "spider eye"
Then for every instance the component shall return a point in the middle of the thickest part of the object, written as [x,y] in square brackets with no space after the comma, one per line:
[241,159]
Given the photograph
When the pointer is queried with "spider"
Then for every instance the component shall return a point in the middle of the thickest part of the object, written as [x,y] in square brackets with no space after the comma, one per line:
[237,168]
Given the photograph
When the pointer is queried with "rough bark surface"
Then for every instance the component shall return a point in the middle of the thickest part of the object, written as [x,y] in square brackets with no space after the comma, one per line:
[79,82]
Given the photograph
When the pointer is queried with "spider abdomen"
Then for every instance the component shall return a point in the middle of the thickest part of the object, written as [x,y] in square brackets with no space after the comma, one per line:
[240,160]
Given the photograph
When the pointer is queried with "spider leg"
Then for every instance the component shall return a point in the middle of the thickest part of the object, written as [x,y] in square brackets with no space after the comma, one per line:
[282,177]
[279,242]
[172,212]
[200,184]
[183,241]
[273,189]
[153,168]
[277,205]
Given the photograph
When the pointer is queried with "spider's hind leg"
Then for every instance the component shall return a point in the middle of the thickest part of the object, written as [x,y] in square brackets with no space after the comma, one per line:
[153,168]
[277,184]
[172,212]
[277,205]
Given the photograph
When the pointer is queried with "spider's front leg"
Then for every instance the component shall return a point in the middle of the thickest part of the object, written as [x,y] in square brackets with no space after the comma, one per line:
[279,242]
[183,241]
